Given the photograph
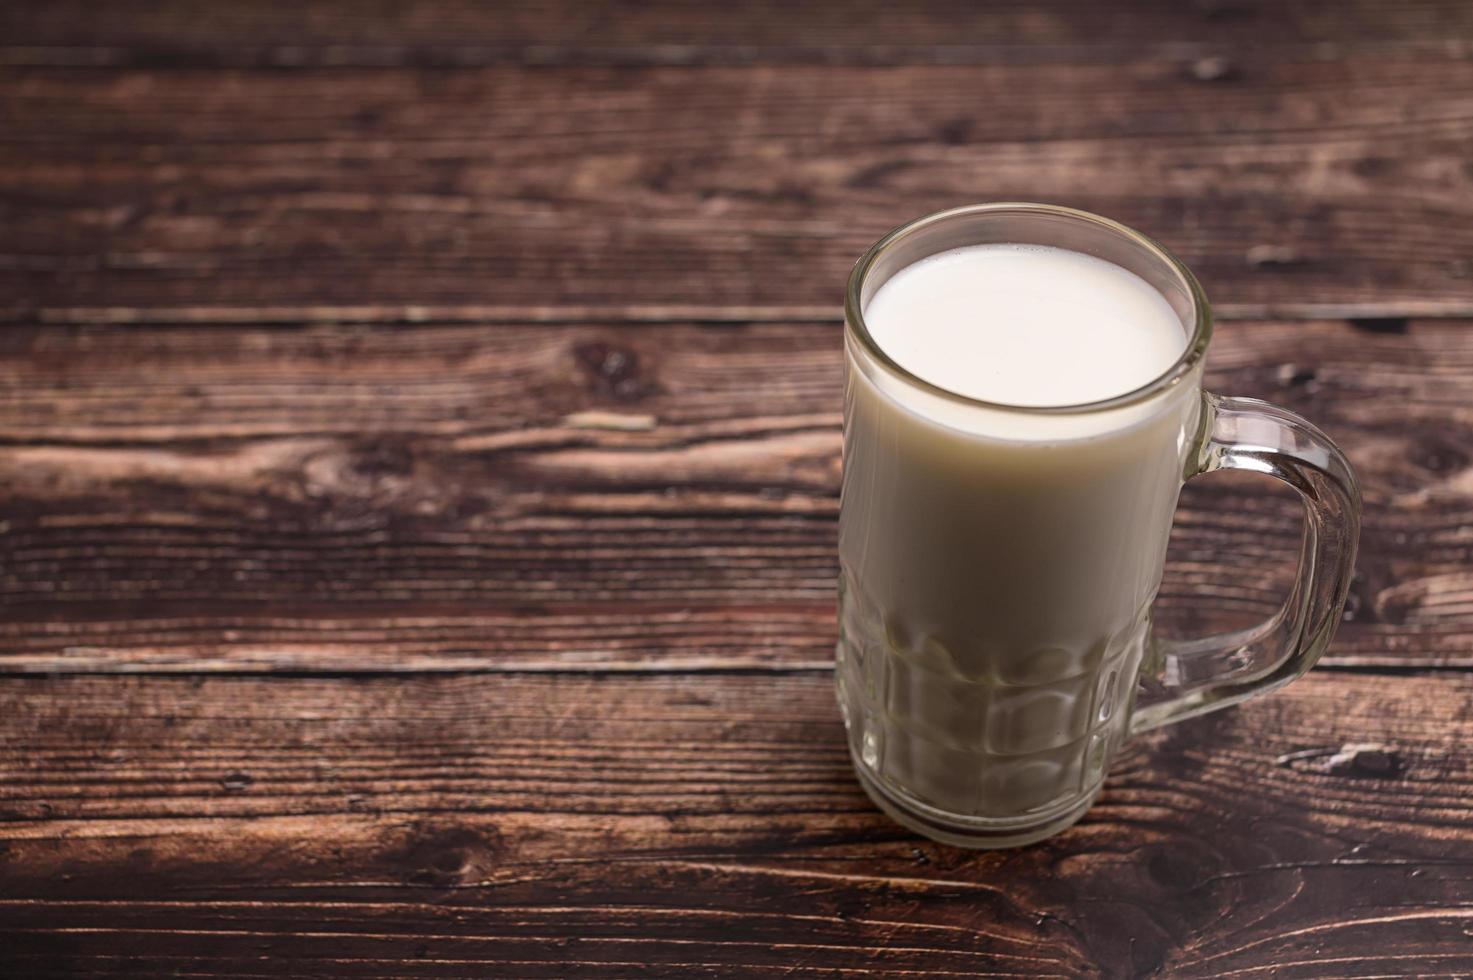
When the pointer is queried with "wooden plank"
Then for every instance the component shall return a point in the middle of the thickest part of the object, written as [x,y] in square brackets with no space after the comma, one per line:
[1294,187]
[600,496]
[701,826]
[460,33]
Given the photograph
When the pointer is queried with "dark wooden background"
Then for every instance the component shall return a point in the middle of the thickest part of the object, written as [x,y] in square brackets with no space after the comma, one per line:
[419,458]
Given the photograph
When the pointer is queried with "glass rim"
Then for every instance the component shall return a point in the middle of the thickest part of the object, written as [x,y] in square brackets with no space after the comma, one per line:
[1191,355]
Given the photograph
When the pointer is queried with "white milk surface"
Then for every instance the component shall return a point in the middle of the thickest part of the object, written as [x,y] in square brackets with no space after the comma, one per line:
[1025,325]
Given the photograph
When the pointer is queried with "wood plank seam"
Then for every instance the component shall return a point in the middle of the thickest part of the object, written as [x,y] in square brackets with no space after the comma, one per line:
[635,315]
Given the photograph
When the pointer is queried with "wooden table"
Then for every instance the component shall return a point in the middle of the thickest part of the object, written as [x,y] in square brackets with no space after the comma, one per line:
[419,447]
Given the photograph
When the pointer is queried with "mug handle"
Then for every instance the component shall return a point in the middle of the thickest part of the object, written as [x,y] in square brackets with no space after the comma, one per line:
[1181,679]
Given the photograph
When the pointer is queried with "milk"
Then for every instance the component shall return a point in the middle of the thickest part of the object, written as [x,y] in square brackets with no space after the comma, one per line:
[998,566]
[1025,325]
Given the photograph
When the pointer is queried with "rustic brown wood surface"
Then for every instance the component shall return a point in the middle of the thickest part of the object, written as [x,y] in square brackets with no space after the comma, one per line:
[456,33]
[1295,187]
[690,824]
[532,496]
[419,452]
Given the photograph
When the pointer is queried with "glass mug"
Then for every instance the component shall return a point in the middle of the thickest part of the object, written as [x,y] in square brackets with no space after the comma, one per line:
[995,642]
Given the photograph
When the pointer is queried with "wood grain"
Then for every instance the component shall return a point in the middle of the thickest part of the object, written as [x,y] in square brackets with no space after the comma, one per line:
[699,826]
[418,482]
[1294,187]
[458,33]
[596,496]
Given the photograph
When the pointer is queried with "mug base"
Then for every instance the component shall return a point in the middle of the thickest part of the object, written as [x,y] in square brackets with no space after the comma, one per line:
[960,830]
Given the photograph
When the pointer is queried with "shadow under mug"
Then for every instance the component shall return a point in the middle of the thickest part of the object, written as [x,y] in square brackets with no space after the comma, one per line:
[998,563]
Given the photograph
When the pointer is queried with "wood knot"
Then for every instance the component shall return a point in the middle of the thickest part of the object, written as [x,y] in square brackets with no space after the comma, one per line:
[448,856]
[1438,457]
[368,117]
[1364,759]
[236,782]
[1294,376]
[1213,68]
[1272,257]
[1177,870]
[383,457]
[614,370]
[876,175]
[1380,324]
[1372,167]
[955,132]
